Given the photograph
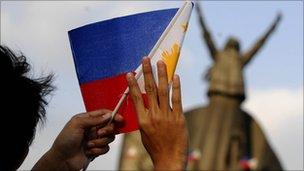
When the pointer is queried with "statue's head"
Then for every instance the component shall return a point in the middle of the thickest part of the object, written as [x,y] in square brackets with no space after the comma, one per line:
[232,43]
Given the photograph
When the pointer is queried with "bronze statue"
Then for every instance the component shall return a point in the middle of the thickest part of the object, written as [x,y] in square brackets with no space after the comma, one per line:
[222,135]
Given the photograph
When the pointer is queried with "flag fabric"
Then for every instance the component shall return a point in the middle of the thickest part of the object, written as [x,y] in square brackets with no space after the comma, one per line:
[169,45]
[104,52]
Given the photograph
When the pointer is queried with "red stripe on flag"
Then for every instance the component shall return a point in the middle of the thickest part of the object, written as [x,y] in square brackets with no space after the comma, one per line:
[106,93]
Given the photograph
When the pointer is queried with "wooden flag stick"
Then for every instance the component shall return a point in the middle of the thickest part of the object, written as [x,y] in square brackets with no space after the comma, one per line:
[121,100]
[123,97]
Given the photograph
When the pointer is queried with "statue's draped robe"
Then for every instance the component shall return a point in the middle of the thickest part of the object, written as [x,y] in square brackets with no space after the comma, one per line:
[223,135]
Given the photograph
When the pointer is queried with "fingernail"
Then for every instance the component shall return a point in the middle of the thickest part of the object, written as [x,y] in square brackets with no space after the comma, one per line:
[119,118]
[145,60]
[90,144]
[161,65]
[129,75]
[160,62]
[101,132]
[107,116]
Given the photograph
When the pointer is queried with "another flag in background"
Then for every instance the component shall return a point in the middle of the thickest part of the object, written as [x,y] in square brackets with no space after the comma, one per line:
[105,51]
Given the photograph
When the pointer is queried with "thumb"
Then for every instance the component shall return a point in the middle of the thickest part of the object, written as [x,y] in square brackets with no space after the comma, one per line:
[87,121]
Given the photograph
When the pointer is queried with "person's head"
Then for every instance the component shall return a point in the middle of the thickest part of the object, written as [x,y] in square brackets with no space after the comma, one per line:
[232,43]
[22,107]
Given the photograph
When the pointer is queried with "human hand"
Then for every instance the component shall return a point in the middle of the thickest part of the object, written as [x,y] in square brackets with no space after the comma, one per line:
[163,129]
[85,136]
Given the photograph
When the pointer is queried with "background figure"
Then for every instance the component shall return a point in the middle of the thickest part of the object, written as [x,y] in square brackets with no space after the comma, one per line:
[222,135]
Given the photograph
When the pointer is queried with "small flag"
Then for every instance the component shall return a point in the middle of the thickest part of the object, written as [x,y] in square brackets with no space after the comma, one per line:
[105,51]
[194,155]
[248,164]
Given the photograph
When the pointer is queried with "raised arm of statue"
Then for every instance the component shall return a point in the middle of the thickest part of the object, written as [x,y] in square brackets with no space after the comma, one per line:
[247,56]
[206,33]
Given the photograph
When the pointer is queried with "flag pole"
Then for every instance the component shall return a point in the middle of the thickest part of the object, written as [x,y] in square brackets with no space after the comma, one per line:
[123,97]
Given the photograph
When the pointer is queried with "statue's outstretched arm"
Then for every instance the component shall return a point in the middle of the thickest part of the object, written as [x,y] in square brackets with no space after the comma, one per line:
[249,54]
[206,33]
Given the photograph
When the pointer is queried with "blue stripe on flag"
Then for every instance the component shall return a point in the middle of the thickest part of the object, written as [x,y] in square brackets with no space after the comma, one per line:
[109,48]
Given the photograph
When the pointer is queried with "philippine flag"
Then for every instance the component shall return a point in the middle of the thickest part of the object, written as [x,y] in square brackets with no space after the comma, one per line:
[104,52]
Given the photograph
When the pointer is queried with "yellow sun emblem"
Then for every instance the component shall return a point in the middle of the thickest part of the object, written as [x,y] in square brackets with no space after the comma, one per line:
[170,59]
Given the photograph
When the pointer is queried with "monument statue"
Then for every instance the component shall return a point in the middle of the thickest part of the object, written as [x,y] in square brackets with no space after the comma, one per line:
[222,135]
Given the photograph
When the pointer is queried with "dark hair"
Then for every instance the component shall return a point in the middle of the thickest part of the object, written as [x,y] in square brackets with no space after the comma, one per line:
[24,100]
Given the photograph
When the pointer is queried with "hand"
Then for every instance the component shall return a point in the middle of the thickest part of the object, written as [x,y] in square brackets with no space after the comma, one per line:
[86,135]
[163,129]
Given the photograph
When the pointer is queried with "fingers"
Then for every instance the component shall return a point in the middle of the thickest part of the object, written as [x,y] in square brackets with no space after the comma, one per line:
[136,96]
[104,129]
[107,130]
[99,112]
[85,121]
[118,118]
[150,85]
[163,90]
[101,142]
[176,95]
[92,134]
[94,152]
[98,146]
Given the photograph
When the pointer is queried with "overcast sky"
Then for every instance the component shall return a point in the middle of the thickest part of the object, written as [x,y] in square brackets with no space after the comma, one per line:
[274,79]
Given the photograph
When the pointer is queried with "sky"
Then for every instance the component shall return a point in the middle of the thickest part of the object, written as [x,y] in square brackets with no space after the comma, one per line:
[274,79]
